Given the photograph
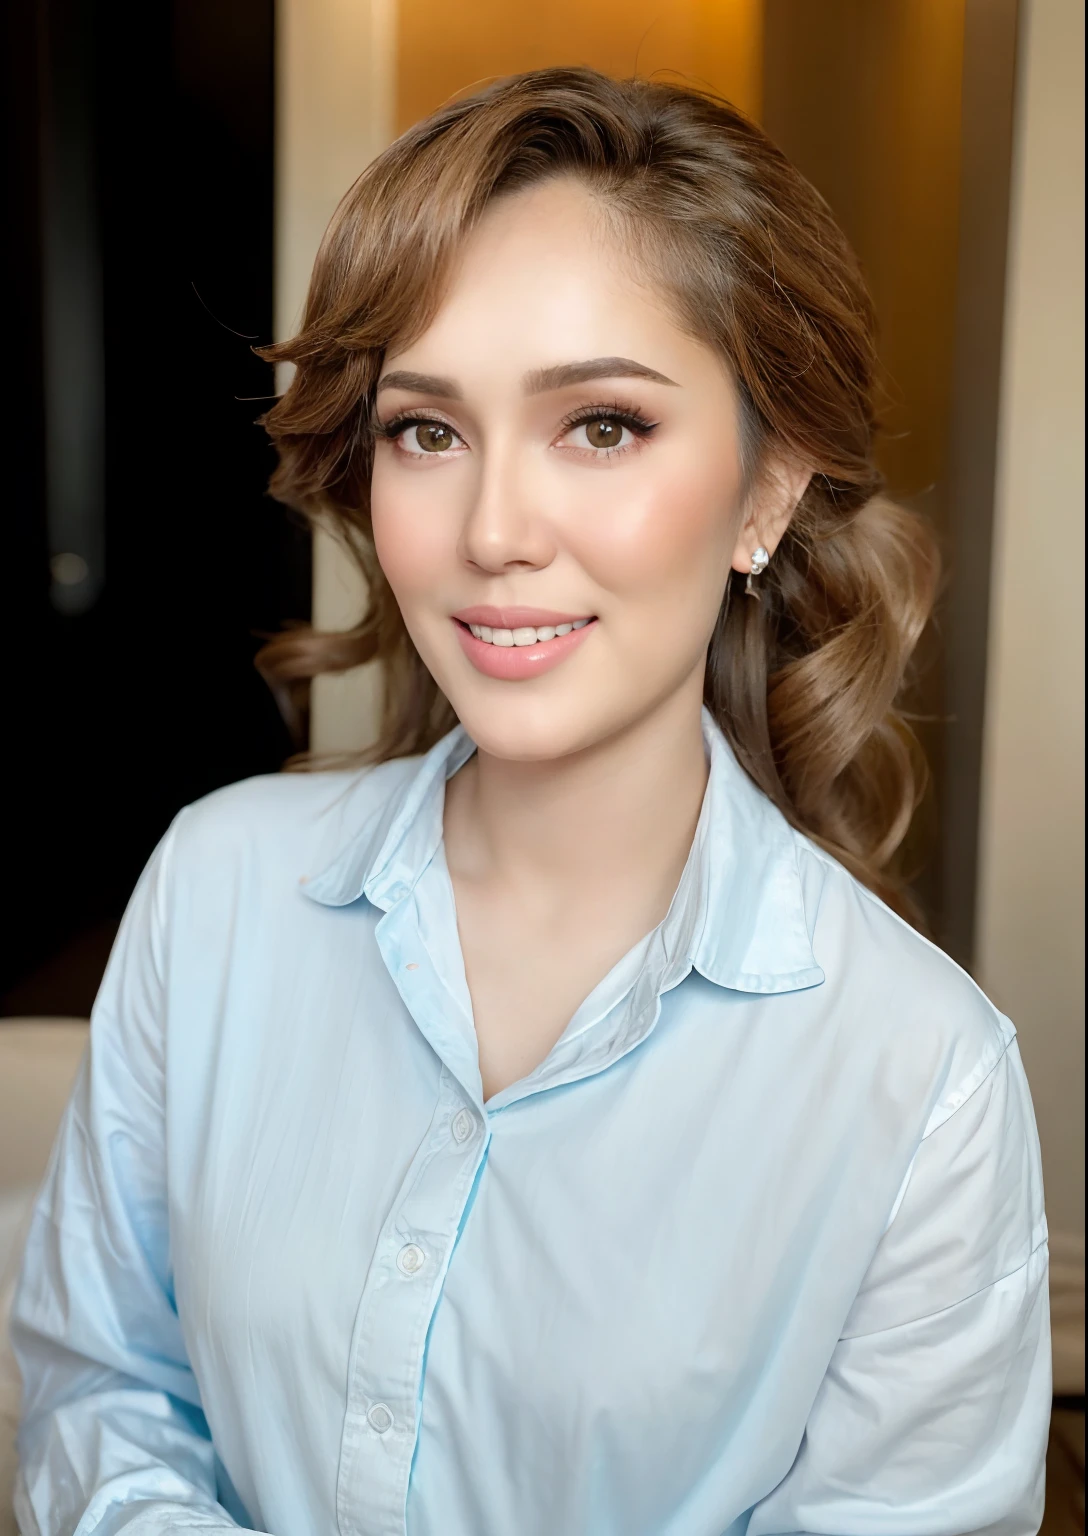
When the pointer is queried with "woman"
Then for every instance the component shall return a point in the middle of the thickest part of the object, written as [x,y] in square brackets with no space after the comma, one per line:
[558,1132]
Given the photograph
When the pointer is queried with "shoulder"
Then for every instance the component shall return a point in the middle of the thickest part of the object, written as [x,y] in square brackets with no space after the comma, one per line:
[294,821]
[921,1012]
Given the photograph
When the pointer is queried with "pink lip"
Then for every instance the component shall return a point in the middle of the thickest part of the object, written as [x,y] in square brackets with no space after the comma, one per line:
[515,663]
[515,617]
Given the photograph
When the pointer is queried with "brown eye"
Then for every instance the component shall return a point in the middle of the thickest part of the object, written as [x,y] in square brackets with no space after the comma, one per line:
[433,437]
[603,433]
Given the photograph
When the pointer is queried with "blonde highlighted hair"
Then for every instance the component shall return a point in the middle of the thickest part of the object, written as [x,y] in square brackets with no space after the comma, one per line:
[805,682]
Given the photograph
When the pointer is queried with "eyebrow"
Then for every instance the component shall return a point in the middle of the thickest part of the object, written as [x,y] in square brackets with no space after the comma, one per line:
[539,382]
[543,379]
[421,384]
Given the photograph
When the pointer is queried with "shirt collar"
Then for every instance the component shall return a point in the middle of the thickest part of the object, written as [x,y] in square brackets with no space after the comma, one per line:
[754,934]
[739,913]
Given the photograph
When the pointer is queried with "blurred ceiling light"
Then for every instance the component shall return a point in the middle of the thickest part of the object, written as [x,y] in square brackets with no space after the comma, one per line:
[69,570]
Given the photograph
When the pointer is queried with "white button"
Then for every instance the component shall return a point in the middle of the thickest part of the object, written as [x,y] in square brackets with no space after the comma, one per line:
[411,1259]
[463,1125]
[380,1419]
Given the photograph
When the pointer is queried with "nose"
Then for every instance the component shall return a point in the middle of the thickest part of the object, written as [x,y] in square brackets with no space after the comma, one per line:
[505,527]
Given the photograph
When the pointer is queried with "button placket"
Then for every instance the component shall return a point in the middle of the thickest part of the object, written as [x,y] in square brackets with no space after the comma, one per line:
[394,1319]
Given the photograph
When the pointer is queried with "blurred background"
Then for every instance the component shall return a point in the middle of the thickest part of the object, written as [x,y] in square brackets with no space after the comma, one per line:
[169,170]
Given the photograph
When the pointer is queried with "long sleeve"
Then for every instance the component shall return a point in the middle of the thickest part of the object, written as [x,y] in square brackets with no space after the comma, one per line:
[932,1419]
[113,1437]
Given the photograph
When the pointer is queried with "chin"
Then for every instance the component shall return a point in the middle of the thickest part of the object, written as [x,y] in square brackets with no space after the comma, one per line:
[529,729]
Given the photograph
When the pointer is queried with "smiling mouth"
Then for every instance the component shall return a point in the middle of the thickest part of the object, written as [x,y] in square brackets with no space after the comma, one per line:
[524,635]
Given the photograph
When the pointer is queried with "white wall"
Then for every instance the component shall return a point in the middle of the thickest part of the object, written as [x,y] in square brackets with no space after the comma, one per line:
[335,80]
[1031,887]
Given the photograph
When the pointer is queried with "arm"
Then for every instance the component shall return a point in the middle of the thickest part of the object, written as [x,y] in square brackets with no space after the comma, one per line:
[113,1438]
[932,1419]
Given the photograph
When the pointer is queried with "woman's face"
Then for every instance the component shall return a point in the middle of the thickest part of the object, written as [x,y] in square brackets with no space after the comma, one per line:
[557,486]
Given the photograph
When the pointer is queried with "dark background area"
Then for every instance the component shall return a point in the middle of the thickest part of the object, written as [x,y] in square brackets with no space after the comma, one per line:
[138,183]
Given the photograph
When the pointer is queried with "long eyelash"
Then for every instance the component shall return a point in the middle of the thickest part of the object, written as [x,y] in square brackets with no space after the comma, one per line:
[623,415]
[395,427]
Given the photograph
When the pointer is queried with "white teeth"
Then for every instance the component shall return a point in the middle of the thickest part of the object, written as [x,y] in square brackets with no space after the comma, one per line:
[525,634]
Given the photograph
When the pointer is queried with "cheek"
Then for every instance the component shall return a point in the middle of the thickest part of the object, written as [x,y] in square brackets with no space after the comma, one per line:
[664,537]
[405,538]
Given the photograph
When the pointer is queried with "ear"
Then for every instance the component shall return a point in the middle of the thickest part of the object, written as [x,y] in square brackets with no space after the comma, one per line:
[771,504]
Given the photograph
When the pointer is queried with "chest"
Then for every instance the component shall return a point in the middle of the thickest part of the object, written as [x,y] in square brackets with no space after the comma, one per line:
[611,1282]
[554,1285]
[528,973]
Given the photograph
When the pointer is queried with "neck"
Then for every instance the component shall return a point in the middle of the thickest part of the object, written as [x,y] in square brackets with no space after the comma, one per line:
[624,809]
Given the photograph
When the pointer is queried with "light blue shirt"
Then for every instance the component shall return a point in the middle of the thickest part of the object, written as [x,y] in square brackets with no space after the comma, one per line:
[759,1248]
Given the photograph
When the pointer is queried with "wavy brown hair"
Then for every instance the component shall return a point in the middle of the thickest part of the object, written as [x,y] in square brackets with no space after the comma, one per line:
[803,683]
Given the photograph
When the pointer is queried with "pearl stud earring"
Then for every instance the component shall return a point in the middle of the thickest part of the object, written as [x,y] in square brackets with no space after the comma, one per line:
[760,561]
